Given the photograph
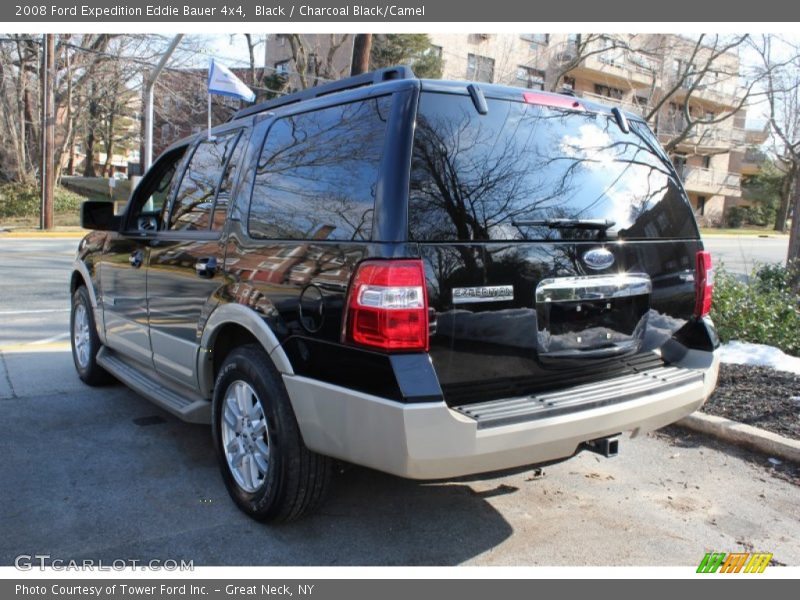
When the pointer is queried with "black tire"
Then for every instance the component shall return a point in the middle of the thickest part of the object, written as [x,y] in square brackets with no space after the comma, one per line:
[297,479]
[90,373]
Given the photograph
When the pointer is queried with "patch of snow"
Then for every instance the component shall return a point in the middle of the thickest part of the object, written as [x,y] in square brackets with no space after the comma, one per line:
[759,355]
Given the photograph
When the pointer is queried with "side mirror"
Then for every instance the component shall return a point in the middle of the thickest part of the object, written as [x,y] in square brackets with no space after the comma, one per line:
[99,215]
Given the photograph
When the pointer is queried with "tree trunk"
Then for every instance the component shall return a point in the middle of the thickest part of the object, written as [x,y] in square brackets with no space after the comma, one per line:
[362,46]
[50,135]
[69,121]
[782,214]
[251,50]
[33,141]
[108,140]
[793,255]
[93,115]
[71,160]
[88,167]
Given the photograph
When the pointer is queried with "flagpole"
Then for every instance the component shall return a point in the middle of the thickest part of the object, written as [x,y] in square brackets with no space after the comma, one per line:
[209,116]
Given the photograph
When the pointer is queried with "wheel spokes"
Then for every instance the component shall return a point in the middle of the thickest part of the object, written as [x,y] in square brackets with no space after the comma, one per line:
[245,436]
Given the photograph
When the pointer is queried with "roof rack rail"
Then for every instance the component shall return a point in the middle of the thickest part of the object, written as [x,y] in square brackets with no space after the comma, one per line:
[371,78]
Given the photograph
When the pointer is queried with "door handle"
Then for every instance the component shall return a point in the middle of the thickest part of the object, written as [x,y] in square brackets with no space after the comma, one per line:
[206,267]
[136,258]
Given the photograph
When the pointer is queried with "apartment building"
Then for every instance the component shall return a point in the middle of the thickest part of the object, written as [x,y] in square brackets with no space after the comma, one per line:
[641,73]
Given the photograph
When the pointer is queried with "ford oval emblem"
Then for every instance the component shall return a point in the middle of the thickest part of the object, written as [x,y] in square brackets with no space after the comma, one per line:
[598,259]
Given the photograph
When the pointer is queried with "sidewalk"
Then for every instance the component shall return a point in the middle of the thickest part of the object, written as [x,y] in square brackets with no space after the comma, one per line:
[58,232]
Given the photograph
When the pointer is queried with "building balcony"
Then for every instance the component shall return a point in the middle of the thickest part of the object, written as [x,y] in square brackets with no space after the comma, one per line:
[753,161]
[718,95]
[618,66]
[701,137]
[710,181]
[714,136]
[633,107]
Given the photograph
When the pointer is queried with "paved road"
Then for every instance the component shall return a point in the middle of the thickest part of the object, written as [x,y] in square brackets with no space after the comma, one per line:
[34,305]
[741,253]
[102,473]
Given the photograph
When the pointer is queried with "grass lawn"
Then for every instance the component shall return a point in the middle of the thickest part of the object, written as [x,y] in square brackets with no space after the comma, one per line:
[60,219]
[19,204]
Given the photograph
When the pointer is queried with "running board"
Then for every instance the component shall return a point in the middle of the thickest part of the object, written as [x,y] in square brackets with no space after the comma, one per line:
[580,397]
[185,406]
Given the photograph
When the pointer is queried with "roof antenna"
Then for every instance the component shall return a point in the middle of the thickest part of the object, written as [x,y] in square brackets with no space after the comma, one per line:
[621,120]
[478,99]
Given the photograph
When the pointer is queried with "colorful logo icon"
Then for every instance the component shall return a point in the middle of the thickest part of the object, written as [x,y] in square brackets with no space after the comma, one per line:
[735,562]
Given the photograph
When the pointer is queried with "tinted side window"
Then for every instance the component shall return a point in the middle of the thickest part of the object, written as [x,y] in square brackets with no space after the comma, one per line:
[317,173]
[226,185]
[195,199]
[151,197]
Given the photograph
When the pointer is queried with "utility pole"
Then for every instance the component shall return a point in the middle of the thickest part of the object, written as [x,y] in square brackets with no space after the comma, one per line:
[149,84]
[362,45]
[48,131]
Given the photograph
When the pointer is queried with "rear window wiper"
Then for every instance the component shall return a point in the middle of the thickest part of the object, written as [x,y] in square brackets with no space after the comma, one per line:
[601,224]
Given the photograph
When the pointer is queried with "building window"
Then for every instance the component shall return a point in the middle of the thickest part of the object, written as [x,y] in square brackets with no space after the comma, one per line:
[573,41]
[539,39]
[706,162]
[610,52]
[701,205]
[311,64]
[281,39]
[641,62]
[480,68]
[282,67]
[530,78]
[434,50]
[608,92]
[568,84]
[679,162]
[685,69]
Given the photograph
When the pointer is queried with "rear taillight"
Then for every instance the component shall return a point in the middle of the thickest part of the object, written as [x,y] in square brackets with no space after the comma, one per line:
[387,306]
[703,284]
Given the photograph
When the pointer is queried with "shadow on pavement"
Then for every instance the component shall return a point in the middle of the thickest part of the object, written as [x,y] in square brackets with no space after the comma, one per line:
[102,473]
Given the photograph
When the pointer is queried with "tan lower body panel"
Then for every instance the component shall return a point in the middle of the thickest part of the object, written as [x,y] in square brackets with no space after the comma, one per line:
[431,441]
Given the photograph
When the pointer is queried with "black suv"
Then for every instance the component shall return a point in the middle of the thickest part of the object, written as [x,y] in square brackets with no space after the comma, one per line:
[429,278]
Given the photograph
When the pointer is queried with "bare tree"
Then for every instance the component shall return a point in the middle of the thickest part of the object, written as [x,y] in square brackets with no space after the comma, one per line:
[682,73]
[317,62]
[20,59]
[705,64]
[783,99]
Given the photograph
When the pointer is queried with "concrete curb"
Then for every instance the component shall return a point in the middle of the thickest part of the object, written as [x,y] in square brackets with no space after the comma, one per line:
[754,236]
[740,434]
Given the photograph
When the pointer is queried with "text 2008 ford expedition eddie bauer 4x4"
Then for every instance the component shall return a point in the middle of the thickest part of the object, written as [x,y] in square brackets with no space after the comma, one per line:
[429,278]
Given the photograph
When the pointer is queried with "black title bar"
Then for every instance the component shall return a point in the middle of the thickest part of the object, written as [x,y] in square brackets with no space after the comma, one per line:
[398,11]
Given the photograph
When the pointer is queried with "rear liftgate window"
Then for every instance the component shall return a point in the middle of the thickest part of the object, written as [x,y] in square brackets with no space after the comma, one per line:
[317,174]
[482,177]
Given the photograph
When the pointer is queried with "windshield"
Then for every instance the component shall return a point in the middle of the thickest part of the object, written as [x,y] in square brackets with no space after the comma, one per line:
[499,176]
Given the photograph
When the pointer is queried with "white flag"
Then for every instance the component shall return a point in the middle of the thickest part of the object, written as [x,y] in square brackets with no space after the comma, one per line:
[222,81]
